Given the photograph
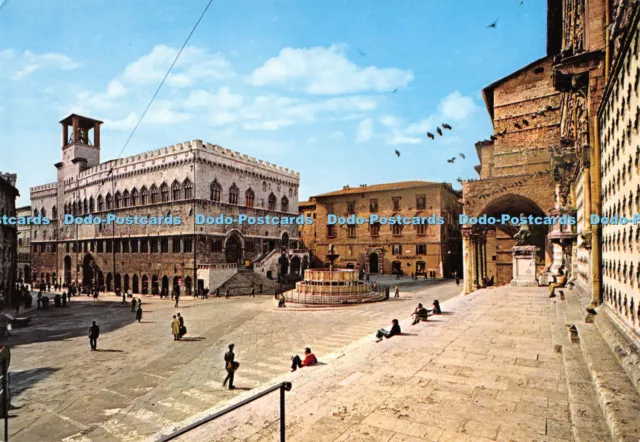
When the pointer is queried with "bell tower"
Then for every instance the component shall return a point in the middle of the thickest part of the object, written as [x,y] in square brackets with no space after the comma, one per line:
[80,145]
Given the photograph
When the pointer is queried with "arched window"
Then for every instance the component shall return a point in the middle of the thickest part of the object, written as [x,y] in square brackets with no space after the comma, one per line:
[233,194]
[92,205]
[176,191]
[118,200]
[54,212]
[272,202]
[100,203]
[76,208]
[249,197]
[125,198]
[108,201]
[290,192]
[134,197]
[155,195]
[284,204]
[216,191]
[85,206]
[164,192]
[43,212]
[188,189]
[264,186]
[144,196]
[35,213]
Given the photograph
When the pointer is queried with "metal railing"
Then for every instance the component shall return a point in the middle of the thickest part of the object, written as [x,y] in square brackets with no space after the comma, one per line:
[284,386]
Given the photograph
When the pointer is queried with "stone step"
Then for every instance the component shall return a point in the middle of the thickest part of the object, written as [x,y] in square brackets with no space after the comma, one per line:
[618,397]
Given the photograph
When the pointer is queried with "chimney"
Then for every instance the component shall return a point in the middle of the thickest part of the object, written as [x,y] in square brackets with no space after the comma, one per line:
[345,187]
[363,185]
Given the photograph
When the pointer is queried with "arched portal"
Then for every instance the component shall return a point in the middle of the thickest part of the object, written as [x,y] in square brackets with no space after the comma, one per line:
[154,285]
[100,280]
[109,282]
[373,263]
[233,248]
[490,247]
[284,240]
[126,283]
[283,265]
[67,270]
[118,282]
[136,287]
[145,284]
[27,274]
[295,265]
[89,270]
[165,283]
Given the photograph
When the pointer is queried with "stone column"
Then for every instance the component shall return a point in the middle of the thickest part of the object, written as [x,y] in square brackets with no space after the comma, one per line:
[467,260]
[476,268]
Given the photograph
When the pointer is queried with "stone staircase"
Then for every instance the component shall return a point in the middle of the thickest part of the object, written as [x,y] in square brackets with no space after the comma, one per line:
[240,284]
[604,403]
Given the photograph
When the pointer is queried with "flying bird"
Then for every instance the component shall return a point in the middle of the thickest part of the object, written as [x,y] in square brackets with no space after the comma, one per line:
[394,91]
[517,125]
[430,135]
[526,123]
[439,130]
[446,126]
[522,3]
[451,160]
[462,156]
[494,24]
[397,153]
[361,52]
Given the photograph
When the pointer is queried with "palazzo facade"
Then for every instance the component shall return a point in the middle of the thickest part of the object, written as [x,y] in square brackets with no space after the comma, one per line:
[182,180]
[8,234]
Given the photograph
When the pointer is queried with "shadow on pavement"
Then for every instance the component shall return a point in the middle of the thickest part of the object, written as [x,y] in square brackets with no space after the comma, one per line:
[23,380]
[195,338]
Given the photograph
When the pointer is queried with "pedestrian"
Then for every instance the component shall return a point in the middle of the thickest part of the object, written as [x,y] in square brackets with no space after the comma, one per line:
[38,300]
[396,293]
[457,279]
[175,328]
[177,296]
[218,292]
[64,300]
[253,291]
[94,333]
[183,329]
[227,294]
[68,295]
[124,298]
[231,366]
[95,294]
[261,288]
[133,305]
[139,313]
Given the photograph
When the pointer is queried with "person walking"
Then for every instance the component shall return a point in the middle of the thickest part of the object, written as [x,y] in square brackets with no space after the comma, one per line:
[218,292]
[227,294]
[124,298]
[396,293]
[139,312]
[133,305]
[253,291]
[68,295]
[94,334]
[183,329]
[38,300]
[175,328]
[231,366]
[457,279]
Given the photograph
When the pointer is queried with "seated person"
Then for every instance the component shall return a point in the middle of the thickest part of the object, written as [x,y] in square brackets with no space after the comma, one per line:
[436,308]
[561,282]
[281,301]
[420,314]
[309,359]
[395,330]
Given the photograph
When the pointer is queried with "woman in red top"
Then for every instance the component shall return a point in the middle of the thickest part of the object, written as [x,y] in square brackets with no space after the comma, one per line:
[309,359]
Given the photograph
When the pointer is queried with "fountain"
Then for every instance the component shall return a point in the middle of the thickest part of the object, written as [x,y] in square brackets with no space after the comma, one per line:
[334,287]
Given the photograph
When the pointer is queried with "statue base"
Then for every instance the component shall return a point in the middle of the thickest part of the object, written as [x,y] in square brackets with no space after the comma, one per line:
[524,266]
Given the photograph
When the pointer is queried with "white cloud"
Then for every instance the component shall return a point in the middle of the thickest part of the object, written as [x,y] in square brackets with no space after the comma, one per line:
[336,134]
[126,123]
[320,70]
[389,120]
[400,138]
[456,106]
[365,130]
[19,66]
[195,64]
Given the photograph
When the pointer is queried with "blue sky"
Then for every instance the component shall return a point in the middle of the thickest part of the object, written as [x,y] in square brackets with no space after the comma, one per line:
[300,83]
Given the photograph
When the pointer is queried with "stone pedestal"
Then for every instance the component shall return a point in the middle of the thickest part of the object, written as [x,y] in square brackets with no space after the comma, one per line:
[524,266]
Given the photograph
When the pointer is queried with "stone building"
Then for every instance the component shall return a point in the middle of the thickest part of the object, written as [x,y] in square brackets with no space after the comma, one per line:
[182,180]
[383,249]
[8,233]
[618,120]
[514,172]
[24,246]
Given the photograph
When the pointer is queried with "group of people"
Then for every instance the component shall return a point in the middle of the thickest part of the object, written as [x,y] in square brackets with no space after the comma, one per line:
[136,306]
[419,314]
[178,329]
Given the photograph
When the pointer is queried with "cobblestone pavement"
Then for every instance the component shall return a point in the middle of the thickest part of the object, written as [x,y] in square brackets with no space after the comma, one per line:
[141,381]
[484,371]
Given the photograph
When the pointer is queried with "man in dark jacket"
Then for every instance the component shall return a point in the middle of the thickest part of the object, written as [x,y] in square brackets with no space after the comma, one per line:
[231,366]
[94,333]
